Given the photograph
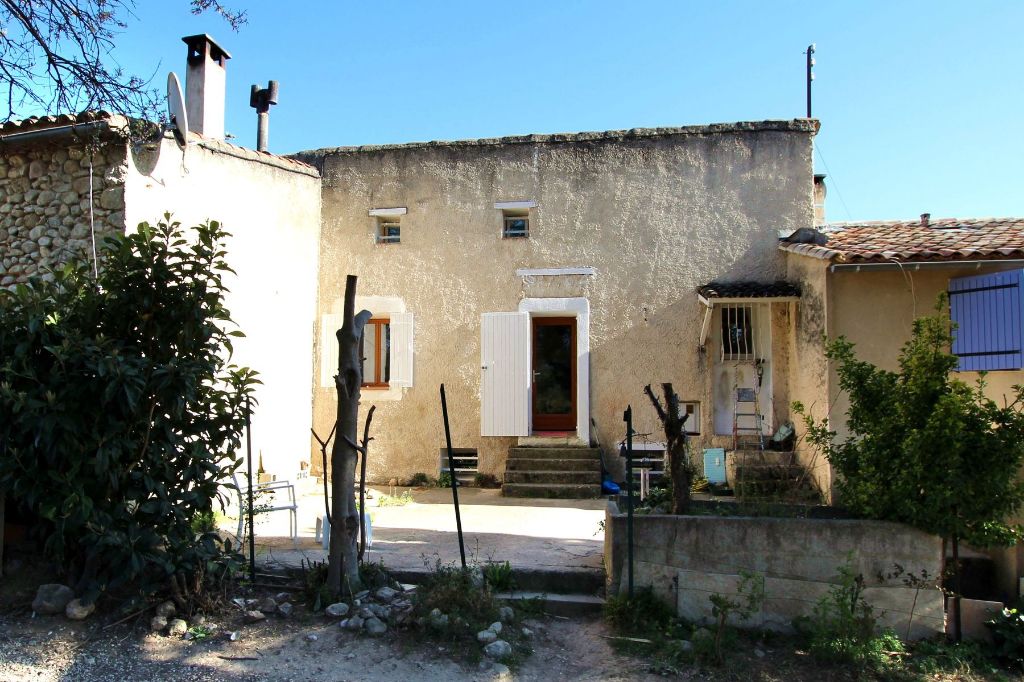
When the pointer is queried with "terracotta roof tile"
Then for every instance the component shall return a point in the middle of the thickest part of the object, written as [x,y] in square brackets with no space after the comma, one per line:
[942,239]
[778,289]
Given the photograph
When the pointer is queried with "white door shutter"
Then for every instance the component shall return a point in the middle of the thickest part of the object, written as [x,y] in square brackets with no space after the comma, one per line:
[401,349]
[329,326]
[505,374]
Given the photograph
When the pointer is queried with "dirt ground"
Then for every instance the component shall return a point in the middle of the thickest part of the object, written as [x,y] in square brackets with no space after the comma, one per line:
[52,648]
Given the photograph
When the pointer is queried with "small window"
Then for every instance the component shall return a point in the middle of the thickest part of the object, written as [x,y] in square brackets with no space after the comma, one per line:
[515,224]
[691,409]
[375,351]
[737,332]
[389,230]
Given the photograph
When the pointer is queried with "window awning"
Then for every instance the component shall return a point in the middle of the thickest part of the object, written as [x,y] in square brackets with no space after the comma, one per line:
[739,293]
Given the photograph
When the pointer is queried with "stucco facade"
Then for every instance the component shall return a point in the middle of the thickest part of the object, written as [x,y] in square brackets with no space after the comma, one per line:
[623,228]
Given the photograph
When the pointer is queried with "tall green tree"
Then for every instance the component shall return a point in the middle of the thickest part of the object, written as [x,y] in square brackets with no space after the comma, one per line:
[120,410]
[926,448]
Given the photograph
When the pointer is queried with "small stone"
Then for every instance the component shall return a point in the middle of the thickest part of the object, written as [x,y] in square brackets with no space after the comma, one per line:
[362,594]
[166,609]
[76,610]
[89,660]
[495,628]
[438,620]
[37,169]
[311,637]
[52,599]
[158,624]
[375,627]
[285,609]
[758,653]
[254,616]
[379,611]
[177,628]
[366,612]
[527,632]
[199,620]
[385,594]
[498,649]
[282,597]
[349,656]
[267,605]
[486,636]
[500,671]
[506,614]
[354,623]
[234,636]
[337,610]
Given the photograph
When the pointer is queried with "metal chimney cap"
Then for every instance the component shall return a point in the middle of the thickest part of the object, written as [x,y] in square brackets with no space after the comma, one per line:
[197,41]
[925,218]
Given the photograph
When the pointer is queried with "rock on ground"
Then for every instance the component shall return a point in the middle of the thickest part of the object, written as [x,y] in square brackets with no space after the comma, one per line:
[166,609]
[486,636]
[52,599]
[498,649]
[375,627]
[506,614]
[158,624]
[337,610]
[177,628]
[77,610]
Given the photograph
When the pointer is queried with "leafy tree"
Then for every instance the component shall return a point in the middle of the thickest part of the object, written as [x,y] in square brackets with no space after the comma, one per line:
[120,412]
[927,449]
[55,56]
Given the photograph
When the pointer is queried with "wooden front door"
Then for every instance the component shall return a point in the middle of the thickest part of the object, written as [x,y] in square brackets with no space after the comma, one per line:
[554,373]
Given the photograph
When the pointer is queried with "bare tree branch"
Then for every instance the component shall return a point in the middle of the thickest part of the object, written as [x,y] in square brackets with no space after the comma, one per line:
[56,57]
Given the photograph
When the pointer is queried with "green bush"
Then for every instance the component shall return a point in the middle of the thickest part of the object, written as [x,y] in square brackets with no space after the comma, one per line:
[120,412]
[499,576]
[644,614]
[457,593]
[1008,635]
[420,480]
[842,627]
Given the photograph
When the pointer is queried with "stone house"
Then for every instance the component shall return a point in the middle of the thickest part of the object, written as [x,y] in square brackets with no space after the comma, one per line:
[546,279]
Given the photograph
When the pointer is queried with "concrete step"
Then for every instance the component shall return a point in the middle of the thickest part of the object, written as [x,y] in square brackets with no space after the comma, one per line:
[565,491]
[556,477]
[562,580]
[554,453]
[760,472]
[566,605]
[538,464]
[754,456]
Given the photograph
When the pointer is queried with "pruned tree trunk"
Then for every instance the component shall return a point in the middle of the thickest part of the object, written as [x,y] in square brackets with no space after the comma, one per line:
[676,450]
[343,566]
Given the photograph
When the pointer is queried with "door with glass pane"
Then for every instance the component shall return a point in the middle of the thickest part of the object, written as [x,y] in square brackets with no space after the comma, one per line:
[554,373]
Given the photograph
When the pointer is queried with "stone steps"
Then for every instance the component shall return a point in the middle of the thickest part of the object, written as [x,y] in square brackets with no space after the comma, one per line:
[565,491]
[554,453]
[553,472]
[541,464]
[554,477]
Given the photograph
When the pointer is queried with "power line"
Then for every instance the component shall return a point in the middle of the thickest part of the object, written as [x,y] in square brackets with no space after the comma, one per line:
[835,181]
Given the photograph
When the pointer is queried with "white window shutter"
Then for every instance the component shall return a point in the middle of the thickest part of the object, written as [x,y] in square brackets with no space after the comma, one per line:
[401,349]
[505,374]
[329,326]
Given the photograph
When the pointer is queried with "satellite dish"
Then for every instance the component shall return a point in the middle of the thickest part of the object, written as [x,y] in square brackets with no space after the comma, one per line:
[176,109]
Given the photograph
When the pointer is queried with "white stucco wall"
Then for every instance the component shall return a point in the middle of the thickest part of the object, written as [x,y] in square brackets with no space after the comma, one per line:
[656,213]
[271,206]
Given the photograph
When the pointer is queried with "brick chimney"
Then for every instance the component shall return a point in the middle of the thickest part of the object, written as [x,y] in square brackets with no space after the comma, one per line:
[205,85]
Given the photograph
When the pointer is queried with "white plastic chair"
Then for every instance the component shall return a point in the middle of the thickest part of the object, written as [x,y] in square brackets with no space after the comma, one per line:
[273,488]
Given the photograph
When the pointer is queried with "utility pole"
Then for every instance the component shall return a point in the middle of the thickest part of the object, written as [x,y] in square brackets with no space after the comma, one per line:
[810,75]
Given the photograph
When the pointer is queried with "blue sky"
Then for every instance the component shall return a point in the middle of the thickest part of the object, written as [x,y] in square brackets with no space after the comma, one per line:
[921,103]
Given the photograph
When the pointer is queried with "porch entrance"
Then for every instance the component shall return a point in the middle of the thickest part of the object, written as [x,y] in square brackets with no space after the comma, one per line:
[553,365]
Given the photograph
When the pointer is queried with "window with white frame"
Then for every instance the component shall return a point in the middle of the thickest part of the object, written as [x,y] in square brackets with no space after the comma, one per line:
[515,218]
[389,224]
[386,351]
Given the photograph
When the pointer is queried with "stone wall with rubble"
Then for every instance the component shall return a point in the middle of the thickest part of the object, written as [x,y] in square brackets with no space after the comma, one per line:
[687,559]
[45,201]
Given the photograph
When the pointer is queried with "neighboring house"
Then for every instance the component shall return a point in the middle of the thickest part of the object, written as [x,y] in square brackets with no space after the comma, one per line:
[67,179]
[868,281]
[546,279]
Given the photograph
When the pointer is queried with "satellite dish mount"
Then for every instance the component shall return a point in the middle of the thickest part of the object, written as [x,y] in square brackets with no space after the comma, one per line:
[176,109]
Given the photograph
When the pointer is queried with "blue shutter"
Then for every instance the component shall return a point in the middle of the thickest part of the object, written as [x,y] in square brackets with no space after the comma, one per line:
[987,310]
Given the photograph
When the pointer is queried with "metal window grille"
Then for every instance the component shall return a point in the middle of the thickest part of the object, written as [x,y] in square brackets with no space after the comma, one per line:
[516,227]
[390,232]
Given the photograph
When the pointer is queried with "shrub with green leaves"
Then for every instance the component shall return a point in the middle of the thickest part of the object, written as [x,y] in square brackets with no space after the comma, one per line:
[120,411]
[1008,635]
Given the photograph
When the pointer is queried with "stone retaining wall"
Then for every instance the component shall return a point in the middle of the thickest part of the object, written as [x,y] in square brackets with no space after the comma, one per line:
[686,559]
[44,205]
